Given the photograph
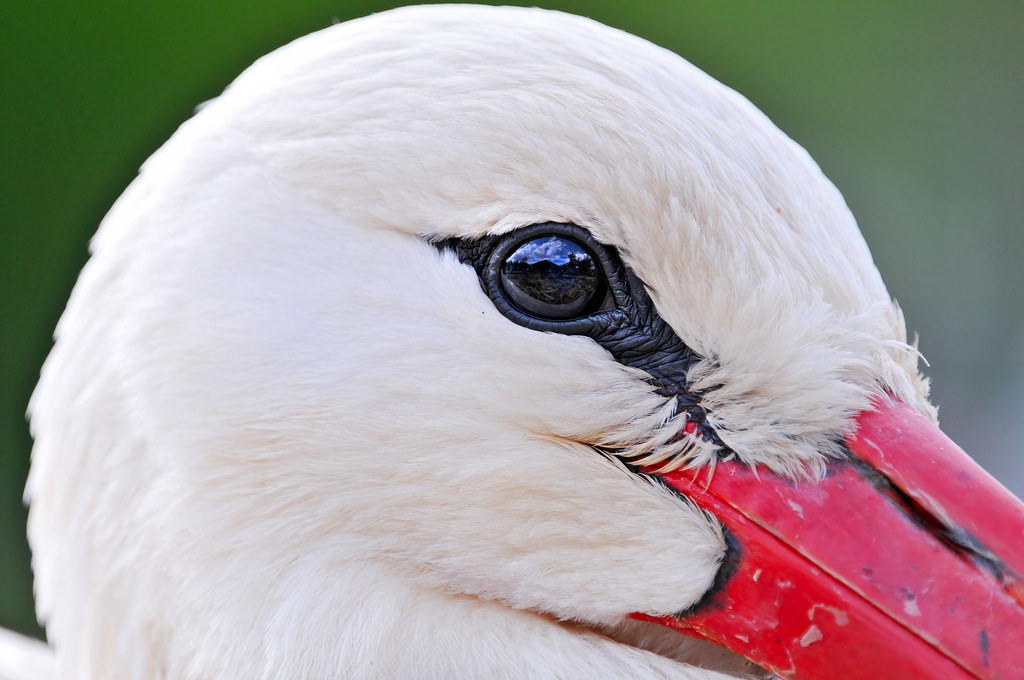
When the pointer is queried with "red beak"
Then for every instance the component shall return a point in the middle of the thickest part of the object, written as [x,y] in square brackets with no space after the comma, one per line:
[903,563]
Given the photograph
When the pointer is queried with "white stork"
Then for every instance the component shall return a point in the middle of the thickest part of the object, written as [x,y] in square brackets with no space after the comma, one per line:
[412,356]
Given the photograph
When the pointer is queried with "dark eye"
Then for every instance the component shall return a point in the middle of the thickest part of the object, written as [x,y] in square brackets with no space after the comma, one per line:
[553,277]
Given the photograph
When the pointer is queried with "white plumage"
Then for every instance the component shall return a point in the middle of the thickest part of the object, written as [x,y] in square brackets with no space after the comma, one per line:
[281,435]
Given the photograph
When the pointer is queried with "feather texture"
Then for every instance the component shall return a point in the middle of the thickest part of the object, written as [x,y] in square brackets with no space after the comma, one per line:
[281,436]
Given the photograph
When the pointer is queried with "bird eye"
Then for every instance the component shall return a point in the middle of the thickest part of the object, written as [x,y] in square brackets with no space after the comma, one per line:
[550,276]
[553,277]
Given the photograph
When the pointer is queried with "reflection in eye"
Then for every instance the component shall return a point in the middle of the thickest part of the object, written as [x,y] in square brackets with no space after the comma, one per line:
[553,277]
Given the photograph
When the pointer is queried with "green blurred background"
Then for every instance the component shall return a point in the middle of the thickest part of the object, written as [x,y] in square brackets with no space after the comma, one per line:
[914,109]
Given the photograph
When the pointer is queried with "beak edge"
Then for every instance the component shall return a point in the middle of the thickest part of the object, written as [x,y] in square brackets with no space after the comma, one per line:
[846,579]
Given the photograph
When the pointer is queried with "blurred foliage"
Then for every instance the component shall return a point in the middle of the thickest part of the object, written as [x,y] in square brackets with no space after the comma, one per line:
[914,109]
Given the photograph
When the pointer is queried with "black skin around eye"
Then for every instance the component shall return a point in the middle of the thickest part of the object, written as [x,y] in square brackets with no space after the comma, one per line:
[624,321]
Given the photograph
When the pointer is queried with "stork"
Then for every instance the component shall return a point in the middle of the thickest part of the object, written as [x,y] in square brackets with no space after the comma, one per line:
[492,342]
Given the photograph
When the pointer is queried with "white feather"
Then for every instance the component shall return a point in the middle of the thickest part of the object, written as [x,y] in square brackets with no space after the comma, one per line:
[280,435]
[23,658]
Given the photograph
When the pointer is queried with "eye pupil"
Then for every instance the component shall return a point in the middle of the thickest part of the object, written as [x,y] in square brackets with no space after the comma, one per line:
[553,277]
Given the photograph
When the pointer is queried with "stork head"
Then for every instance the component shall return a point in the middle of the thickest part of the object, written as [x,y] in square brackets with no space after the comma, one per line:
[414,354]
